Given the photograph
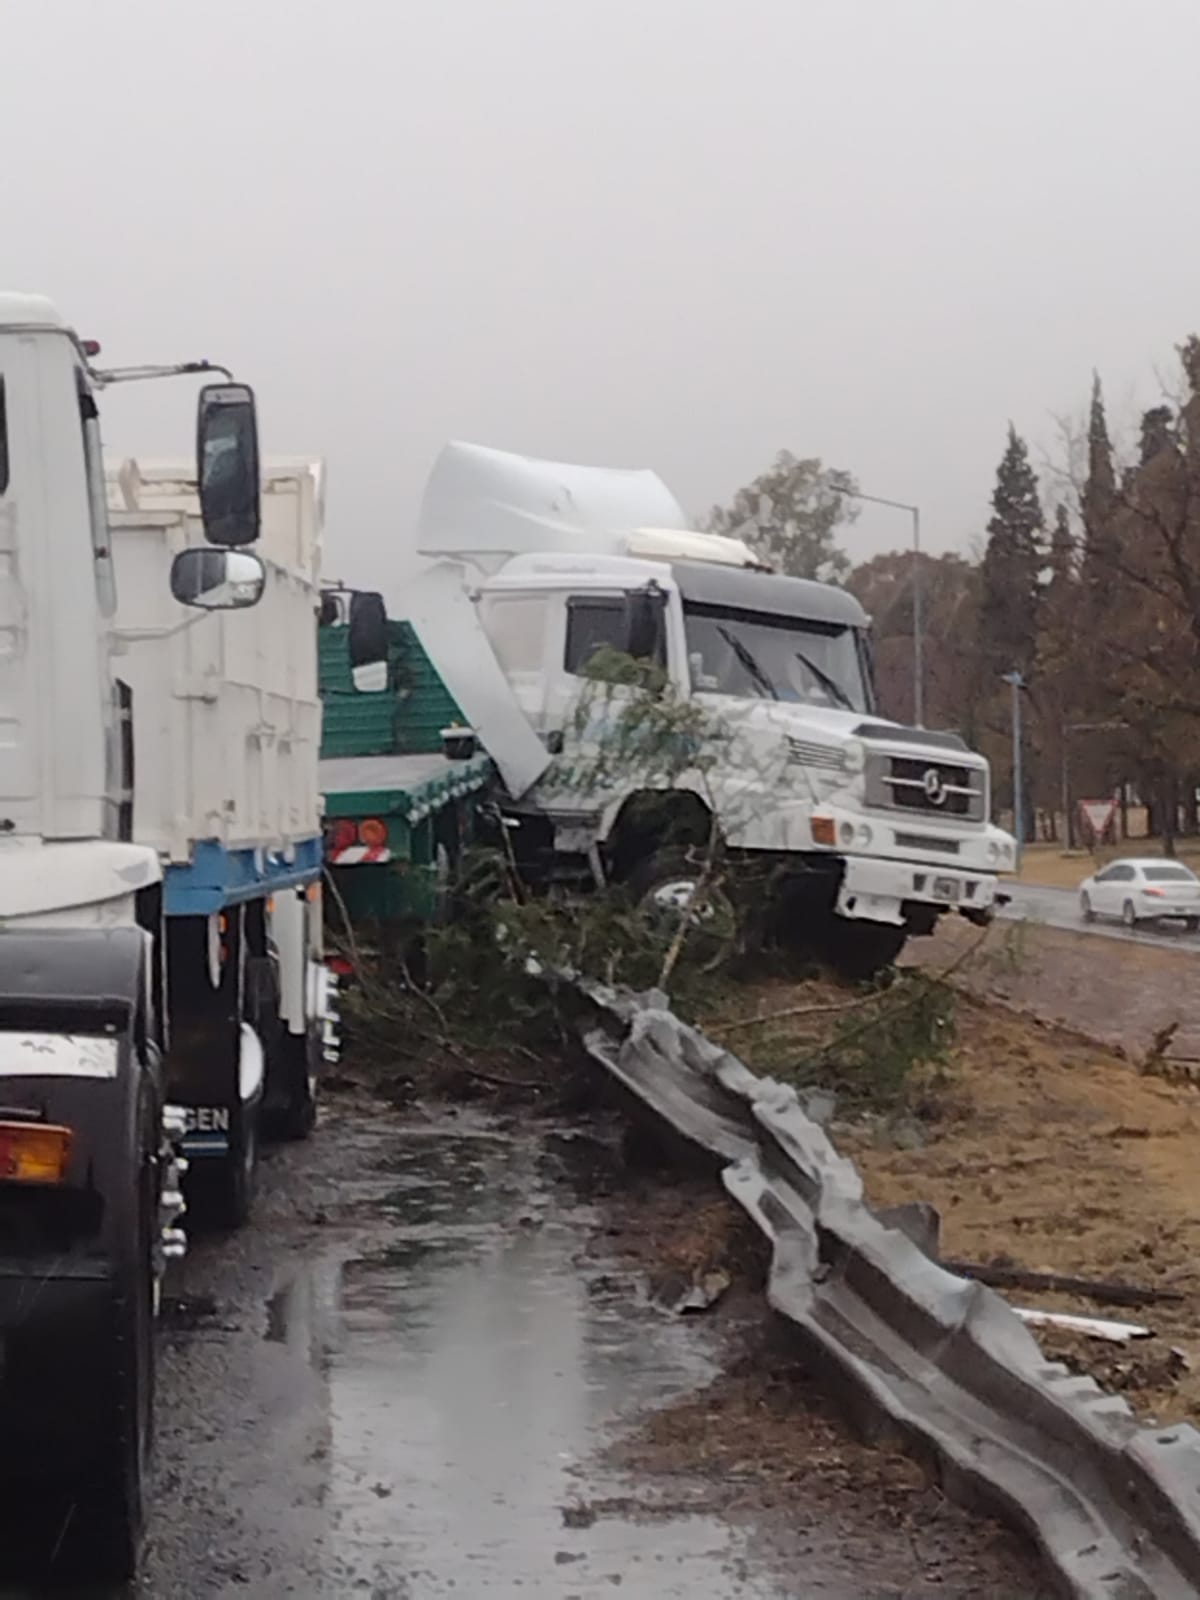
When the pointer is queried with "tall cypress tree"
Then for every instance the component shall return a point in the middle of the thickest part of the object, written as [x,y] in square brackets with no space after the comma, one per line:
[1062,554]
[1099,508]
[1012,565]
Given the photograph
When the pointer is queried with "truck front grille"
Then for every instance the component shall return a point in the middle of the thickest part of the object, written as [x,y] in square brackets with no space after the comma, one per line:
[808,753]
[926,841]
[928,786]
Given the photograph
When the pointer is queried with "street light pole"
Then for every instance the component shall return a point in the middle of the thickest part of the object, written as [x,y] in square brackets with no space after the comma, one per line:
[918,622]
[1018,683]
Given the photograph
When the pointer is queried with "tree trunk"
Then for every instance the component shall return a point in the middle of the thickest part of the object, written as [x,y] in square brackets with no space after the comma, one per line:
[1170,816]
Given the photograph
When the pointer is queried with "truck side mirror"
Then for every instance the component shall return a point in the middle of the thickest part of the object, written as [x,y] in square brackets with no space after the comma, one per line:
[217,580]
[227,469]
[368,643]
[647,618]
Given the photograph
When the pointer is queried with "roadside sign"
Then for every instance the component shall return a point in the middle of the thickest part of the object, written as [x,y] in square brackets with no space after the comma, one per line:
[1098,815]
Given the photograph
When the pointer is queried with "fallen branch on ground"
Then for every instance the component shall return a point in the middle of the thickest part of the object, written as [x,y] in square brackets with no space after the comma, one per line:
[1103,1290]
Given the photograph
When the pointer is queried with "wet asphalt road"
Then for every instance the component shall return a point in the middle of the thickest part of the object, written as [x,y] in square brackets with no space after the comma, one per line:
[1059,908]
[398,1381]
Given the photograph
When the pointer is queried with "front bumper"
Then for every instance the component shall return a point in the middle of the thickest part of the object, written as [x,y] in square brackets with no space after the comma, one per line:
[878,891]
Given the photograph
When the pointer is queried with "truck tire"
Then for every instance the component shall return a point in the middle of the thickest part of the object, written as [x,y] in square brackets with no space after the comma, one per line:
[858,949]
[221,1193]
[659,885]
[106,1509]
[302,1059]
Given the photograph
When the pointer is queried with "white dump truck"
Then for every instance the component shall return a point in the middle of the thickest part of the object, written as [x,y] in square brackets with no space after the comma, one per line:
[159,931]
[869,831]
[226,734]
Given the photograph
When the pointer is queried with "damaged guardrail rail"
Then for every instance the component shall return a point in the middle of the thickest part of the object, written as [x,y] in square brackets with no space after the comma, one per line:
[909,1347]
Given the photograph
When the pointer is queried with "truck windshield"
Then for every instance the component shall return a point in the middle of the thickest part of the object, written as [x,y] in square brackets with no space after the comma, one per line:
[753,655]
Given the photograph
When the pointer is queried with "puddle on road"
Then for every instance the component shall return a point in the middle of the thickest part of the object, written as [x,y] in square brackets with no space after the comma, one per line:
[473,1372]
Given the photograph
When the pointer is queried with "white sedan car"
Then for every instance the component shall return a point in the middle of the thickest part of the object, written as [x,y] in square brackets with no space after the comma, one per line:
[1151,890]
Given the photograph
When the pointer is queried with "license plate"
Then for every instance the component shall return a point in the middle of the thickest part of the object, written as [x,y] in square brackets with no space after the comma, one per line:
[946,889]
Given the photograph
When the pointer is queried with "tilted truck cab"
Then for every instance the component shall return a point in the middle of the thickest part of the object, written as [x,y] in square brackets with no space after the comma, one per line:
[876,829]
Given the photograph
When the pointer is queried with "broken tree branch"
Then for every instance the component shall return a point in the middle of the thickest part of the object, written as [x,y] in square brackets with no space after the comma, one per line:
[1103,1290]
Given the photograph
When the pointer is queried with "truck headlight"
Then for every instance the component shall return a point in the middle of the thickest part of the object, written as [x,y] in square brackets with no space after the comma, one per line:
[864,835]
[993,852]
[854,755]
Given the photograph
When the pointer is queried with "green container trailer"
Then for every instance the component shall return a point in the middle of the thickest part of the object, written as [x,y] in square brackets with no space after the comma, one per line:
[398,808]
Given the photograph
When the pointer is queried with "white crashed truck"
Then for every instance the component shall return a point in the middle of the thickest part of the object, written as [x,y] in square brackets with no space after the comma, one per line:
[91,948]
[868,831]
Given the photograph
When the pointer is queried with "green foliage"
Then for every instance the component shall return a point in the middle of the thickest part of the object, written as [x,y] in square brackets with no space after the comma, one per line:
[1012,565]
[790,514]
[876,1049]
[911,1027]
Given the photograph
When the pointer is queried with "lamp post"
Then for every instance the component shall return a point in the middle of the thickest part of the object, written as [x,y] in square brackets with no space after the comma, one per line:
[918,630]
[1017,683]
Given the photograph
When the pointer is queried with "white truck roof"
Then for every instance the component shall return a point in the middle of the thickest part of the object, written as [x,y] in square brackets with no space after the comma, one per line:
[28,311]
[487,505]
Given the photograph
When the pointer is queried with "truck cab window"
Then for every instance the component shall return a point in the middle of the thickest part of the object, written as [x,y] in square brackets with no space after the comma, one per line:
[592,625]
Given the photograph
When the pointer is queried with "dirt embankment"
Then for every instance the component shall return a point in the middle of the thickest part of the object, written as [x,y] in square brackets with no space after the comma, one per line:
[1055,1152]
[1115,992]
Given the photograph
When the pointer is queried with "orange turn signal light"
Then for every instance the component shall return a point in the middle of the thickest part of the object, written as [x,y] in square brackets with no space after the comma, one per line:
[34,1152]
[373,833]
[824,830]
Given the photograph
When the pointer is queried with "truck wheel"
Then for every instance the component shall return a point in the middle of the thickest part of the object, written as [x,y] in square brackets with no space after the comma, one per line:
[303,1058]
[293,1061]
[107,1509]
[220,1190]
[664,886]
[221,1193]
[858,949]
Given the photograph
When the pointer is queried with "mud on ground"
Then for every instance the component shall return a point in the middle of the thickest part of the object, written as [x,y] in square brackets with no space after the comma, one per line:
[765,1437]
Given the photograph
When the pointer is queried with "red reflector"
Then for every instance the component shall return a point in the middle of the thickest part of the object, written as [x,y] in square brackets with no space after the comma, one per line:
[373,833]
[341,966]
[91,347]
[33,1152]
[343,834]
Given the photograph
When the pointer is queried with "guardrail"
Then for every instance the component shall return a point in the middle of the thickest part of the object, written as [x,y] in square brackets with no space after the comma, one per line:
[908,1347]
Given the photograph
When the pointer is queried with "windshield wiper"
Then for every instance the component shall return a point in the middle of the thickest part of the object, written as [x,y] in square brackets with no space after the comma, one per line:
[748,661]
[830,685]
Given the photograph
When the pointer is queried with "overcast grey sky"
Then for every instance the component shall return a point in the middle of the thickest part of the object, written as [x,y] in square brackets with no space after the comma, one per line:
[673,233]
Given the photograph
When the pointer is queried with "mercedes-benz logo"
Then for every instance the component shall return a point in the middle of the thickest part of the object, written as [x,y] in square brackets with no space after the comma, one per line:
[935,789]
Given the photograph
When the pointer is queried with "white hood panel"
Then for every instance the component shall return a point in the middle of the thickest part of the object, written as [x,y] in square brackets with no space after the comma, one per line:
[443,615]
